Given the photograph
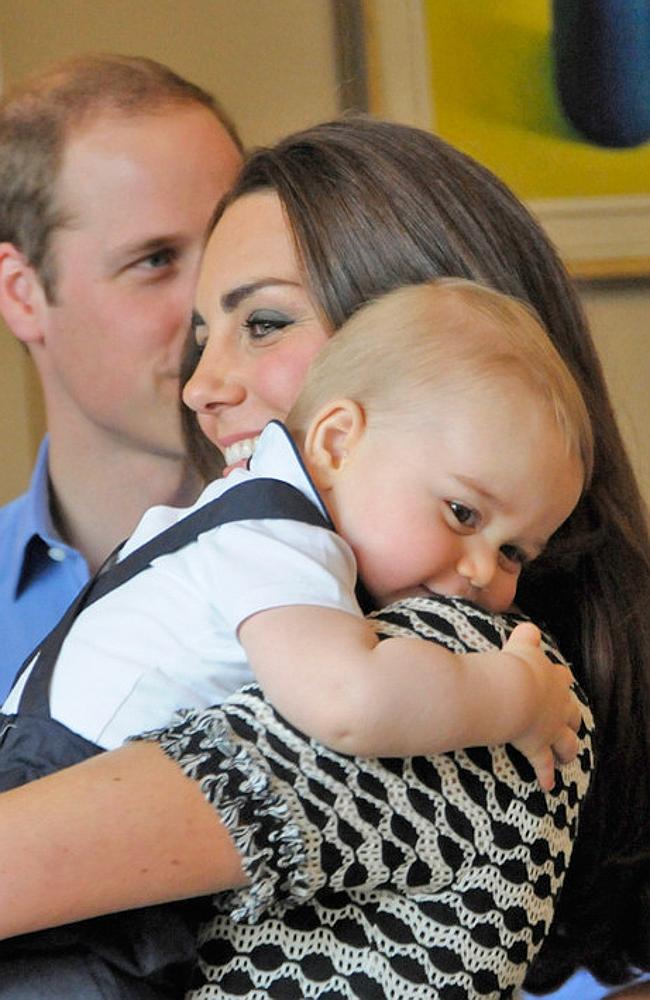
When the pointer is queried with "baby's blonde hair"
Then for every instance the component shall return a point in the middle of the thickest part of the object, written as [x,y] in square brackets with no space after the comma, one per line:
[449,333]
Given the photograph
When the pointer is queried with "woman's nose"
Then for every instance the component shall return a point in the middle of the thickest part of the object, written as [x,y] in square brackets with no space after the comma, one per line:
[215,382]
[478,562]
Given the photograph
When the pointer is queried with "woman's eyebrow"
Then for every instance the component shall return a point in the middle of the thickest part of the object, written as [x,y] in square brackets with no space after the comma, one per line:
[230,300]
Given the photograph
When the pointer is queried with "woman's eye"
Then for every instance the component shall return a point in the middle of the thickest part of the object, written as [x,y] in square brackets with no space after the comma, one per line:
[514,555]
[263,322]
[463,514]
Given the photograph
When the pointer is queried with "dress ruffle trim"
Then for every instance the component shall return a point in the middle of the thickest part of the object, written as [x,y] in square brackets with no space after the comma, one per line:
[257,818]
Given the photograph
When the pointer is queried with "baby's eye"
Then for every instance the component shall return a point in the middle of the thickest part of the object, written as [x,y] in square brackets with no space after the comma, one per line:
[466,516]
[514,555]
[264,322]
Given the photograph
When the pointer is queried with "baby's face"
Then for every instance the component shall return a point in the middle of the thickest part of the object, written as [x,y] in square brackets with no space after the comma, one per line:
[456,503]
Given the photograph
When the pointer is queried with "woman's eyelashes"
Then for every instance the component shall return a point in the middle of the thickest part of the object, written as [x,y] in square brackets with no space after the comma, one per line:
[262,323]
[259,325]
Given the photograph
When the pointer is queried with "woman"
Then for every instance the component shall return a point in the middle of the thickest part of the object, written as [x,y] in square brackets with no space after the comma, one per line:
[397,206]
[370,206]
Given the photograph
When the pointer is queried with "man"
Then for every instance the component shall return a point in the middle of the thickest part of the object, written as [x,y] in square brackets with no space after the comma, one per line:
[110,168]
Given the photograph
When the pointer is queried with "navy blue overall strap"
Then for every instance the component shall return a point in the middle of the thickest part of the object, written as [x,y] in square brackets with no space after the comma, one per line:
[255,500]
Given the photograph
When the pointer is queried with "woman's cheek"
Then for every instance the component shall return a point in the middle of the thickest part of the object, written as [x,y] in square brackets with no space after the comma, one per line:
[208,427]
[281,377]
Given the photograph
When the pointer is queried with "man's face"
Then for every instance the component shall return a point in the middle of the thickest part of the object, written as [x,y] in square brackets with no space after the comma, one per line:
[138,193]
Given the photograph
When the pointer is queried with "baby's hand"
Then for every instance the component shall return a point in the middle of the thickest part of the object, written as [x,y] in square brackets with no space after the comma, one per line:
[551,733]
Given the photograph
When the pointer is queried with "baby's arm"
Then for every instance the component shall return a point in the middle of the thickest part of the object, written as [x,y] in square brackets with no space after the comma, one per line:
[330,676]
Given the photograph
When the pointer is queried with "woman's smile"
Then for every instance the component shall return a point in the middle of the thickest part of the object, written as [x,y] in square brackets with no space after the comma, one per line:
[240,451]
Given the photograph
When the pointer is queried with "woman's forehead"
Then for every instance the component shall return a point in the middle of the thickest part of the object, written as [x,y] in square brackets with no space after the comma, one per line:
[252,220]
[252,241]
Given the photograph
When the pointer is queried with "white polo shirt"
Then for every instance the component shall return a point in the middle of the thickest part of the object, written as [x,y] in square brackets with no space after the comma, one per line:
[167,638]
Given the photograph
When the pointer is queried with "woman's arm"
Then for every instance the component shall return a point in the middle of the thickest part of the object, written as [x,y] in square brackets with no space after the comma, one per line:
[128,829]
[123,829]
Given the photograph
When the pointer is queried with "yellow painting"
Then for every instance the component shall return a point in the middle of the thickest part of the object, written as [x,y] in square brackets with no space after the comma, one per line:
[494,96]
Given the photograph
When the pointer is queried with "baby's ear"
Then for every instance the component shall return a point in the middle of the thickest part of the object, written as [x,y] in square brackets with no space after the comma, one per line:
[332,435]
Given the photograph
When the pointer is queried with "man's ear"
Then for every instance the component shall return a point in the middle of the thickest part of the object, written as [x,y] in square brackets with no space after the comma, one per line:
[22,296]
[332,435]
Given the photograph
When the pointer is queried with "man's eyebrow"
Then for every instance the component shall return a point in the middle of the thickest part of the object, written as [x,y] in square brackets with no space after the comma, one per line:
[230,300]
[143,248]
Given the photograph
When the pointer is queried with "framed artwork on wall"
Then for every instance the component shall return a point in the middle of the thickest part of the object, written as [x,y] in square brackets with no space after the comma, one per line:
[494,79]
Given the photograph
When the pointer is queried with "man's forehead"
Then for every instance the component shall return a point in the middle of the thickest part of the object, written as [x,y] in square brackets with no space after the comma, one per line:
[111,128]
[152,159]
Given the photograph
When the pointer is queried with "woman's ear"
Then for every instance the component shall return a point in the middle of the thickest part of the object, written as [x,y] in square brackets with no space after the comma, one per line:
[21,295]
[333,433]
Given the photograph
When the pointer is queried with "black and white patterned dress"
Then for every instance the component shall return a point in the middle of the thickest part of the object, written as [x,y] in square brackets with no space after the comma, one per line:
[420,878]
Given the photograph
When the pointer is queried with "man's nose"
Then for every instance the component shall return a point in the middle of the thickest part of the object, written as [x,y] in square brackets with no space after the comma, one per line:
[478,562]
[215,382]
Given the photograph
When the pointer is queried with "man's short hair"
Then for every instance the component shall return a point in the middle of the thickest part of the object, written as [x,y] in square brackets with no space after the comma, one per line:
[37,118]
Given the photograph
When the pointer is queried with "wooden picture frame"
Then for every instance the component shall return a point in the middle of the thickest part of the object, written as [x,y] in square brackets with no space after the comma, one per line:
[388,57]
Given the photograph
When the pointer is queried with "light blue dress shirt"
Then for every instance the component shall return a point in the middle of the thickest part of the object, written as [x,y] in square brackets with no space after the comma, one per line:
[40,575]
[581,986]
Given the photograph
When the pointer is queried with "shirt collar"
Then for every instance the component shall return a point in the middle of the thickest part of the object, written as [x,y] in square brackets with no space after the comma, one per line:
[38,520]
[276,455]
[35,533]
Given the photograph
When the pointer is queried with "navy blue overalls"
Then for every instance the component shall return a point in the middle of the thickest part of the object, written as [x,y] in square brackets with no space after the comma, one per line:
[147,953]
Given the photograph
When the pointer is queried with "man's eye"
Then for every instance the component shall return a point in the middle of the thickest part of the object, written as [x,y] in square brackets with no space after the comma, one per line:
[513,554]
[463,514]
[159,259]
[263,322]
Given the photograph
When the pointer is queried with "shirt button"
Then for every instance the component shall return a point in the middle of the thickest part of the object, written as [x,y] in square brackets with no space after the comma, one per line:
[56,554]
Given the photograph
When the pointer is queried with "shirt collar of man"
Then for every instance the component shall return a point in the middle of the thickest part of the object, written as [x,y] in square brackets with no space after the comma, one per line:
[34,537]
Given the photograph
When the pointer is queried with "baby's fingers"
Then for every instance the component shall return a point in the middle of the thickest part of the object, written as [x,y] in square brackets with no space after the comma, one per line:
[524,634]
[566,746]
[575,716]
[543,764]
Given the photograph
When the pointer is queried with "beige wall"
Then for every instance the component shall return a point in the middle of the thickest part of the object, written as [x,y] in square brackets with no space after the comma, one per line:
[620,320]
[270,62]
[21,416]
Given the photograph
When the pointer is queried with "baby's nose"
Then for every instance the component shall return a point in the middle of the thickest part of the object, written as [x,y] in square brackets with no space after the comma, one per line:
[478,563]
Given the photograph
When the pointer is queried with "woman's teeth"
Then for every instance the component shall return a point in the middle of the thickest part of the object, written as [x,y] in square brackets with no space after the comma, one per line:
[240,450]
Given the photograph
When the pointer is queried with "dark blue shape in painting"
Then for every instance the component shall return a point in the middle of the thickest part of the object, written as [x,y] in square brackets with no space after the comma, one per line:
[602,68]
